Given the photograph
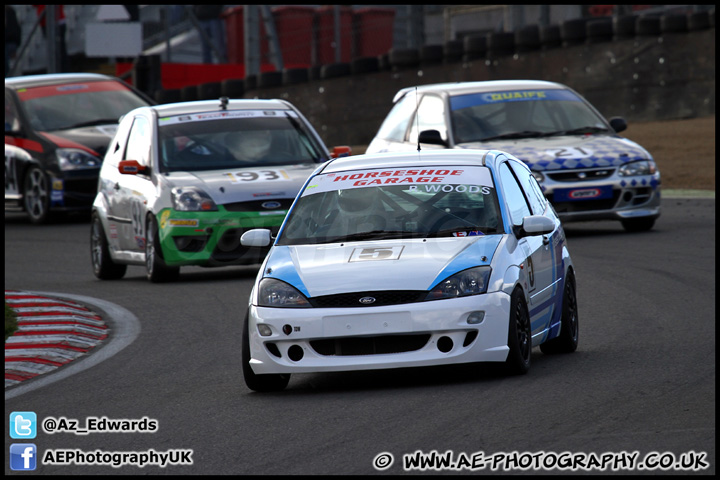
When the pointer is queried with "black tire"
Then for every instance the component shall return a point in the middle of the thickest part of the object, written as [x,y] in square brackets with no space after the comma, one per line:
[527,38]
[500,43]
[431,54]
[519,336]
[333,70]
[209,91]
[698,21]
[550,36]
[157,270]
[404,57]
[364,65]
[453,50]
[647,26]
[291,76]
[599,30]
[674,23]
[270,79]
[172,95]
[103,266]
[624,26]
[189,93]
[36,196]
[475,44]
[638,224]
[567,341]
[259,383]
[233,87]
[573,31]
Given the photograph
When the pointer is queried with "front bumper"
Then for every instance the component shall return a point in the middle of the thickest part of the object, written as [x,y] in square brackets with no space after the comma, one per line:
[212,238]
[611,198]
[409,335]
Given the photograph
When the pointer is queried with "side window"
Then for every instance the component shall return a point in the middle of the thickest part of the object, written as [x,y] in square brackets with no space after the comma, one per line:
[513,195]
[396,123]
[138,146]
[528,183]
[430,116]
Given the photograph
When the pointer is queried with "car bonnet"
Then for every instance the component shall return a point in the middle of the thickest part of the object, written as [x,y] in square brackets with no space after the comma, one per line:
[569,151]
[413,264]
[246,184]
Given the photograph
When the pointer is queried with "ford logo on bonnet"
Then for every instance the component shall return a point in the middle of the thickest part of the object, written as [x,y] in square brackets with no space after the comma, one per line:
[270,204]
[367,300]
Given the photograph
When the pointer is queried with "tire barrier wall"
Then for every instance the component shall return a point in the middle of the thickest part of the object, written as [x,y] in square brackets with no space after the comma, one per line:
[641,68]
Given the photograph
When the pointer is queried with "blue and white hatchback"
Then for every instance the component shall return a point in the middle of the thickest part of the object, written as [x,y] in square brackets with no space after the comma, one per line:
[583,166]
[410,260]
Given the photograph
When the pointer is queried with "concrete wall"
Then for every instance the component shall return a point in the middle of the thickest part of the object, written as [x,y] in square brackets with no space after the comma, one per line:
[643,78]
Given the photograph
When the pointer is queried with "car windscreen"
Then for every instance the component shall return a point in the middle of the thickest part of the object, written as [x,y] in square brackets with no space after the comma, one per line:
[486,116]
[62,107]
[388,203]
[235,139]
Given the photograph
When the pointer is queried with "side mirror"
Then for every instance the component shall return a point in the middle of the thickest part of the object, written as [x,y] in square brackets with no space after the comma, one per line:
[432,137]
[257,237]
[131,167]
[343,151]
[618,124]
[536,225]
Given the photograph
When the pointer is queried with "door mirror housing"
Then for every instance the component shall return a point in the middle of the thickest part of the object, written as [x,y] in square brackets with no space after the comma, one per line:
[257,237]
[535,225]
[432,137]
[618,124]
[131,167]
[343,151]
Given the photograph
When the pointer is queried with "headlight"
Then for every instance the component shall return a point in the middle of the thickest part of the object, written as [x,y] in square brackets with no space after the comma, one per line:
[472,281]
[274,293]
[73,159]
[642,167]
[192,199]
[538,176]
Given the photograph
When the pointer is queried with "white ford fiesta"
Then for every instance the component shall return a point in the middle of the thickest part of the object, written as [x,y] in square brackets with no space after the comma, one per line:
[409,260]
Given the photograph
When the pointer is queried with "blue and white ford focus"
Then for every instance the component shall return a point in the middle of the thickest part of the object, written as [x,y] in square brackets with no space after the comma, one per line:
[584,167]
[410,260]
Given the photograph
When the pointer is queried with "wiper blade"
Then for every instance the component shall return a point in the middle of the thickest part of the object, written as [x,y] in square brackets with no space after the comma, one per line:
[580,131]
[511,135]
[375,235]
[449,231]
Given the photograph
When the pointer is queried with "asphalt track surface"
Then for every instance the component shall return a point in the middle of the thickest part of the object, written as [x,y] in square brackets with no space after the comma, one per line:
[642,380]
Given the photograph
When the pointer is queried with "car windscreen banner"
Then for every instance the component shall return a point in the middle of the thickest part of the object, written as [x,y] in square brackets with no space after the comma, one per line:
[487,98]
[427,179]
[224,115]
[69,89]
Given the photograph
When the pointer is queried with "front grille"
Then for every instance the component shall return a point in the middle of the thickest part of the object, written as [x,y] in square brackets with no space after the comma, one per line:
[370,345]
[585,205]
[580,175]
[383,298]
[257,205]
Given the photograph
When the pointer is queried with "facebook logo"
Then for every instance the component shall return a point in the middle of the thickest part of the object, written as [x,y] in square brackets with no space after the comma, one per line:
[23,456]
[23,425]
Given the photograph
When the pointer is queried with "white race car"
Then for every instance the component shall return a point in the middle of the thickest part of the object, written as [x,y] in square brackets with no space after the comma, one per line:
[182,181]
[583,166]
[409,260]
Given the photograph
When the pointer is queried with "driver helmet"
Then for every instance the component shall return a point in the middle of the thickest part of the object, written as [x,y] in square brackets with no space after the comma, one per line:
[355,201]
[251,144]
